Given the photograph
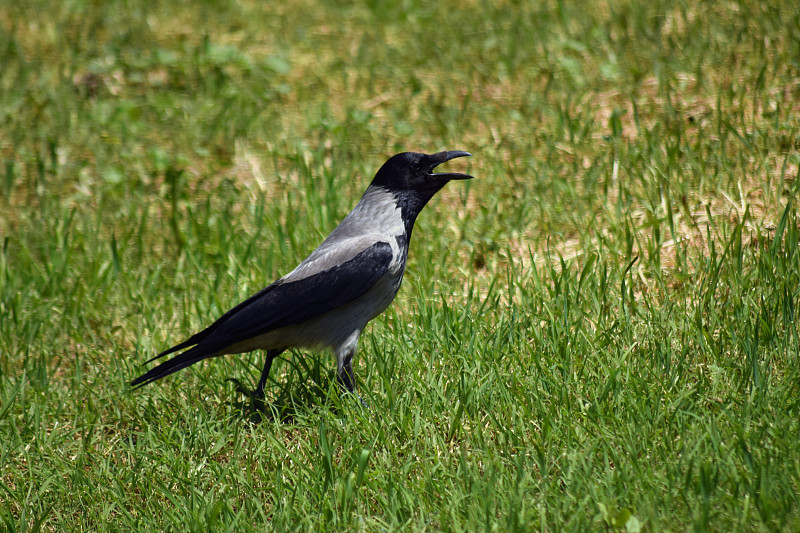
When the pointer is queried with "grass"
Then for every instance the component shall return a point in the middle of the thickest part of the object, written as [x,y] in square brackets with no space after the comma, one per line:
[597,333]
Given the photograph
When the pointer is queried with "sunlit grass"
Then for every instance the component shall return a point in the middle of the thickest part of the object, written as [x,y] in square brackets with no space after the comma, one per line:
[597,333]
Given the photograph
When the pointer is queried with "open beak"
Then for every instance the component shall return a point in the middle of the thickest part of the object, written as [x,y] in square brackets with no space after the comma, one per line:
[437,159]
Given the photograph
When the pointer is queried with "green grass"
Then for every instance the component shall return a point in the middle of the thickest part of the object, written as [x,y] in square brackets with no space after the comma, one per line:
[597,333]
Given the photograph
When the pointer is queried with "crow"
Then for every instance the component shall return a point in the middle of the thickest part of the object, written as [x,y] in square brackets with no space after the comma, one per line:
[326,301]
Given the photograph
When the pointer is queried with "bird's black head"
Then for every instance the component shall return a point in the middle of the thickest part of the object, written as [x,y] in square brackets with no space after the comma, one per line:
[413,172]
[409,177]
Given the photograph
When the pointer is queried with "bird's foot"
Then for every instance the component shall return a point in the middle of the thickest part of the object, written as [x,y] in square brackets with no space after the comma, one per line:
[256,397]
[364,404]
[357,396]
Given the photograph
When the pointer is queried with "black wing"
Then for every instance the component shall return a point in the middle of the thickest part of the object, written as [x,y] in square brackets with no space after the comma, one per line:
[281,304]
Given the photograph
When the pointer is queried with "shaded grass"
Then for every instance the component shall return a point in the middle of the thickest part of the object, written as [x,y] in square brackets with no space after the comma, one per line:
[598,333]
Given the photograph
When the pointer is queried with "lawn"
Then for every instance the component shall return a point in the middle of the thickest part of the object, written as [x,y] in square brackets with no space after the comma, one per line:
[597,333]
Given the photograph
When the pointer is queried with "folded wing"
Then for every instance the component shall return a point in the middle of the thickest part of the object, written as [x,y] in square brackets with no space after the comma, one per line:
[284,303]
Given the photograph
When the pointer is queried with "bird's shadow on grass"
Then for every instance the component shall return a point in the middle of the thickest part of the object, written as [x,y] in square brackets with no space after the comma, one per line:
[305,386]
[302,385]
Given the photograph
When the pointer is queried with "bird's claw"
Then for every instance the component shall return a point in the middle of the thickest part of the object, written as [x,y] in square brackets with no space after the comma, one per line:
[364,404]
[358,397]
[257,399]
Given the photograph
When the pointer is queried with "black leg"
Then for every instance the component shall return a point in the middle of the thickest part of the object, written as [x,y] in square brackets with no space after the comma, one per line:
[271,354]
[345,374]
[258,395]
[347,380]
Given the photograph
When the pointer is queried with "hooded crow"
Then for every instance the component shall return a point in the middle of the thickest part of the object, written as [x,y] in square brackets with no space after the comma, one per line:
[328,299]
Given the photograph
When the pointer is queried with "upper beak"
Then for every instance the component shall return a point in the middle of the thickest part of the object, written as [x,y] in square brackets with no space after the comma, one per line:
[437,159]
